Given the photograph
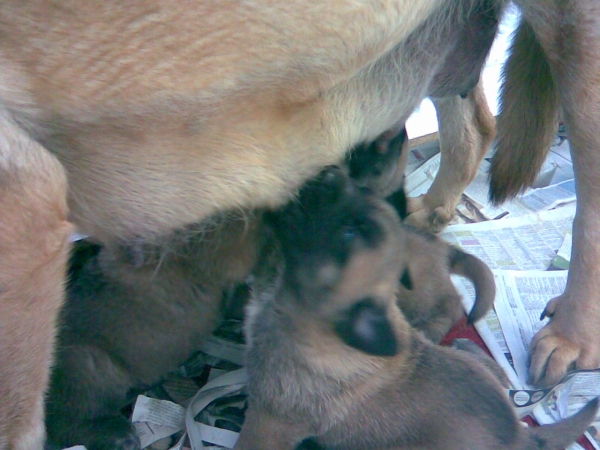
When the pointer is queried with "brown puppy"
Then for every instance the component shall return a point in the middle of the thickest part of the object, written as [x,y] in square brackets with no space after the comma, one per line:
[34,246]
[331,357]
[165,112]
[132,315]
[426,294]
[555,63]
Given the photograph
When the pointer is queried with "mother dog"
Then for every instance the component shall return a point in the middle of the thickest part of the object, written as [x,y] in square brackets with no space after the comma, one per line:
[162,113]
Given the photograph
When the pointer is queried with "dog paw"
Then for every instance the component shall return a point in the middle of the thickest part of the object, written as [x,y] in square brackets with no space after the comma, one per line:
[425,218]
[569,341]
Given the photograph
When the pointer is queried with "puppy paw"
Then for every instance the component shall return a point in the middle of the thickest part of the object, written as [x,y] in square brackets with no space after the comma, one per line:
[569,341]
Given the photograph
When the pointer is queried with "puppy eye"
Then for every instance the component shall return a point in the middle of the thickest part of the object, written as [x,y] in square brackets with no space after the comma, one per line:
[350,232]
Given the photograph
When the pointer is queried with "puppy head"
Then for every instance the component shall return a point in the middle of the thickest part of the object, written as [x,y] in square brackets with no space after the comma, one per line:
[342,249]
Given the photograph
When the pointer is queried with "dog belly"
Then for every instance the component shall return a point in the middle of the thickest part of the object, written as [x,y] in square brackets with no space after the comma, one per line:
[151,144]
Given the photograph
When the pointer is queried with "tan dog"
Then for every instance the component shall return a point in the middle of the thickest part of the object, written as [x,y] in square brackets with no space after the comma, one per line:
[163,113]
[34,244]
[133,315]
[330,356]
[555,62]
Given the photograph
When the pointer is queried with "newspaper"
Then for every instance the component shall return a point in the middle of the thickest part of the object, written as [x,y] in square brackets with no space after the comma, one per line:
[528,242]
[522,243]
[520,250]
[194,421]
[521,297]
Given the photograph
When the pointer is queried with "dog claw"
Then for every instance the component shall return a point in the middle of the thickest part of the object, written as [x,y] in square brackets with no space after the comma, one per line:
[550,309]
[559,346]
[551,357]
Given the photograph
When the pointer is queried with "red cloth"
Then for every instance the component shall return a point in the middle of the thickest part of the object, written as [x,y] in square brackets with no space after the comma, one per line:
[462,330]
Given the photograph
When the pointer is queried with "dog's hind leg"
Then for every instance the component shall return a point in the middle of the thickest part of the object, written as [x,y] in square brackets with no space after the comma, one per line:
[569,32]
[34,243]
[467,129]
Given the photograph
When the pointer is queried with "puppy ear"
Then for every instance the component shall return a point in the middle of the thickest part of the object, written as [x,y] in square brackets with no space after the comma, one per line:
[366,327]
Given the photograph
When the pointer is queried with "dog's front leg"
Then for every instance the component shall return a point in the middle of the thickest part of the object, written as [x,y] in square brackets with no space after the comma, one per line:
[570,36]
[34,244]
[264,431]
[466,130]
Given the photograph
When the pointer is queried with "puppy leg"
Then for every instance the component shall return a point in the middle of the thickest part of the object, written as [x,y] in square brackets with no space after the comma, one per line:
[262,431]
[34,243]
[87,390]
[467,129]
[570,36]
[477,352]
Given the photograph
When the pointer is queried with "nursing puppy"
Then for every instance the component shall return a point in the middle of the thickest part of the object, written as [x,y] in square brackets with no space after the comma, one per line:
[426,294]
[555,64]
[134,314]
[331,357]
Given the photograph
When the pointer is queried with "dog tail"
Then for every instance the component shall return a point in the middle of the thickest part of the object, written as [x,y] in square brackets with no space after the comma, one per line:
[480,275]
[559,435]
[528,117]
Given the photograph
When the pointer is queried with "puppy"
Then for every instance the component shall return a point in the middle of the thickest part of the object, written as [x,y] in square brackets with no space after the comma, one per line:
[34,246]
[331,357]
[554,64]
[134,314]
[426,294]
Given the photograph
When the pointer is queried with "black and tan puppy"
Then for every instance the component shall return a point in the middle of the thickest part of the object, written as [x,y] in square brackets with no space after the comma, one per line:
[426,293]
[331,357]
[132,315]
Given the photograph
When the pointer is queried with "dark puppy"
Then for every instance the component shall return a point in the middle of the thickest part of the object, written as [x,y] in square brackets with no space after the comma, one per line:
[133,315]
[330,356]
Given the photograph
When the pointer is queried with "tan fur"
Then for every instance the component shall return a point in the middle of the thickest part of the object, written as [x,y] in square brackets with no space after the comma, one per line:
[431,303]
[164,113]
[466,130]
[306,381]
[272,108]
[530,134]
[567,62]
[34,245]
